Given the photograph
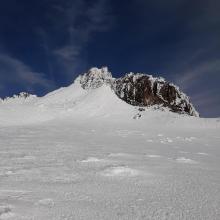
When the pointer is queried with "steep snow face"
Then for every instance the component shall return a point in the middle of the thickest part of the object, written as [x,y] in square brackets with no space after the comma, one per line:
[64,96]
[95,78]
[72,101]
[102,102]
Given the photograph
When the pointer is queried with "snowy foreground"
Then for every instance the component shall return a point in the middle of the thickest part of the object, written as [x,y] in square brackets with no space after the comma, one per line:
[86,157]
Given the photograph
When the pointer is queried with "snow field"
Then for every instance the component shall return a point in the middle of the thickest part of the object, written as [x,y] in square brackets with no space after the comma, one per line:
[75,154]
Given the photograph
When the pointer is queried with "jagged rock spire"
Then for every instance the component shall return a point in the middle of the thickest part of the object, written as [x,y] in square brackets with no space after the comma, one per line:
[95,78]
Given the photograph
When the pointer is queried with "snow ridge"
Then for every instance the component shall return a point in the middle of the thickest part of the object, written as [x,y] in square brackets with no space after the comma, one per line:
[21,97]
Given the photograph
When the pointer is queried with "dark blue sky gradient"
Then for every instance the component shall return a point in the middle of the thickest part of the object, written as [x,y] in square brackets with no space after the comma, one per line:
[45,44]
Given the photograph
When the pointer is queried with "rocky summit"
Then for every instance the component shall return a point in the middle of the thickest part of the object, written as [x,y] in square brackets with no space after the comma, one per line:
[140,90]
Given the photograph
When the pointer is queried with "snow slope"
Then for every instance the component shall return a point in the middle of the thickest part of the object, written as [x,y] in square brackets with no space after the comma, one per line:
[86,154]
[70,101]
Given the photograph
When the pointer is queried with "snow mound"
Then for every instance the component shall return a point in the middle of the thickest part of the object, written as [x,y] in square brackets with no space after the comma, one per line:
[185,160]
[92,160]
[120,171]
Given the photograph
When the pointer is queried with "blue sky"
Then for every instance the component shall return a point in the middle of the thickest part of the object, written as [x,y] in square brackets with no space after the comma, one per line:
[45,44]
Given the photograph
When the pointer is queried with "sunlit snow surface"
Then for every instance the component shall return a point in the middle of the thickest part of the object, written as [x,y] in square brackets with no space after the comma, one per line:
[81,155]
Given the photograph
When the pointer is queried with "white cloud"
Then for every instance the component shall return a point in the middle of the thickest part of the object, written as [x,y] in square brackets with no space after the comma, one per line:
[198,79]
[68,52]
[207,98]
[192,75]
[14,71]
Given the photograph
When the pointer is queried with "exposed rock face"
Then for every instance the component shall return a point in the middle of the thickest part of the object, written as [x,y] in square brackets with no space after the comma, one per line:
[140,90]
[23,95]
[145,90]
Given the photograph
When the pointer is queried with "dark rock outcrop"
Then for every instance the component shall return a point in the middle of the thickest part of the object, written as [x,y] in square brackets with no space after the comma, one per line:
[145,90]
[20,96]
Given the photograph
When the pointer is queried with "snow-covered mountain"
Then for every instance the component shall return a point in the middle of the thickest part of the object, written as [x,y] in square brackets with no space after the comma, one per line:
[108,149]
[140,90]
[97,92]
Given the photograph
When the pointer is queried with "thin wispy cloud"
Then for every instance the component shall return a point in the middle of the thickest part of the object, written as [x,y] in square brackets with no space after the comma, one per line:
[44,44]
[208,101]
[60,38]
[193,74]
[199,80]
[14,71]
[78,21]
